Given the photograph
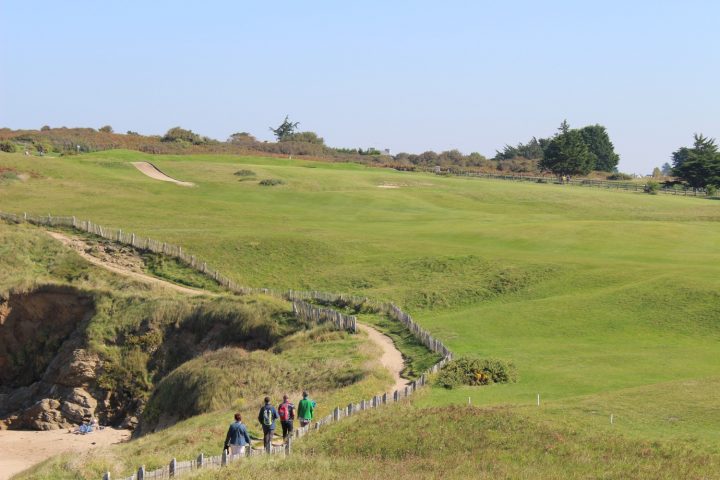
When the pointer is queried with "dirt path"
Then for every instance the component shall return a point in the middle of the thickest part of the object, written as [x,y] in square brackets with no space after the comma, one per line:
[82,249]
[391,356]
[153,172]
[22,449]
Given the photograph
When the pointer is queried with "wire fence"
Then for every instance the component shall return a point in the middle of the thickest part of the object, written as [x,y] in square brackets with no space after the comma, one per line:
[676,189]
[301,308]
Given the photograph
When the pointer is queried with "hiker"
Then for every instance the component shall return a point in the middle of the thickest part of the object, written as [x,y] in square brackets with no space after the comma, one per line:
[305,409]
[267,417]
[286,412]
[237,437]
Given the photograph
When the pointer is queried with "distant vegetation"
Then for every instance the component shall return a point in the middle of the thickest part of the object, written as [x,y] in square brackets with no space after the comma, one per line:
[290,141]
[698,165]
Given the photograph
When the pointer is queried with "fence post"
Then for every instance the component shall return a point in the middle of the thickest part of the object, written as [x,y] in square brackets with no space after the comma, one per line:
[396,394]
[384,398]
[173,467]
[106,476]
[336,414]
[350,409]
[288,446]
[201,461]
[141,473]
[224,458]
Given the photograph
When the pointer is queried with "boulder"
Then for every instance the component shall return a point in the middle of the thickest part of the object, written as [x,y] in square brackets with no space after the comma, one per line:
[75,413]
[44,415]
[79,370]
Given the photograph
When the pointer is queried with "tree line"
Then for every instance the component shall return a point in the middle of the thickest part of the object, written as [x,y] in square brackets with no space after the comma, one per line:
[569,152]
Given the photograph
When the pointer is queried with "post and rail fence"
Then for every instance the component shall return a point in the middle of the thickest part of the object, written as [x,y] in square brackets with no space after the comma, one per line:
[301,308]
[679,190]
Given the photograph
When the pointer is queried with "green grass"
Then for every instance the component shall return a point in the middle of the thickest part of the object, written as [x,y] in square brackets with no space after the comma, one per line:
[591,293]
[405,442]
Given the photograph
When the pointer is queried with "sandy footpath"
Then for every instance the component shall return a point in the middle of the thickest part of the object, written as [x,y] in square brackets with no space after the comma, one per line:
[22,449]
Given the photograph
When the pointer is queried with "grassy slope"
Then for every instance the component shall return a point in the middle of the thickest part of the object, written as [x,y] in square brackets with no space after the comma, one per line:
[28,257]
[589,292]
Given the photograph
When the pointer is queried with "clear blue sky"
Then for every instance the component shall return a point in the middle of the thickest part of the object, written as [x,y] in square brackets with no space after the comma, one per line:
[404,75]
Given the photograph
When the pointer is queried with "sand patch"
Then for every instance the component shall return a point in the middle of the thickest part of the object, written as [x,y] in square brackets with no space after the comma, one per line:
[152,171]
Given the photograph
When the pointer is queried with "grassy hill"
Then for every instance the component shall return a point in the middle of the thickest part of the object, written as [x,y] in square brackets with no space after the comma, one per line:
[605,301]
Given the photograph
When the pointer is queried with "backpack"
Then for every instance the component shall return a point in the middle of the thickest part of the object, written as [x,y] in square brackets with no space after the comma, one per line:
[284,411]
[268,416]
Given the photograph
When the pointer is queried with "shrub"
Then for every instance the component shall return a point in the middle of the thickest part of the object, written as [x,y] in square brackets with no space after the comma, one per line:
[245,173]
[619,176]
[474,371]
[7,146]
[270,182]
[652,187]
[711,190]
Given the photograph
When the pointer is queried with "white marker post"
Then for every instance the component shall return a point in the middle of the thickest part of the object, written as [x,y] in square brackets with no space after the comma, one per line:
[469,402]
[611,418]
[538,399]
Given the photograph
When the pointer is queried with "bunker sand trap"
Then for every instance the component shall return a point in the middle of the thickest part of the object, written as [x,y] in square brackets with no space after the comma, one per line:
[152,171]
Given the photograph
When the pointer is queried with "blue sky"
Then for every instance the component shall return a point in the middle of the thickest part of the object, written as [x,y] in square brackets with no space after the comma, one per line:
[409,76]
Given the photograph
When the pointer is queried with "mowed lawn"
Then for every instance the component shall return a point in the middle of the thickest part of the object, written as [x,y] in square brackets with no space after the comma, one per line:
[593,294]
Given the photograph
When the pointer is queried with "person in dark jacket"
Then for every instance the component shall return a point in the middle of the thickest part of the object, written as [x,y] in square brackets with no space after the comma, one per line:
[286,411]
[237,437]
[267,417]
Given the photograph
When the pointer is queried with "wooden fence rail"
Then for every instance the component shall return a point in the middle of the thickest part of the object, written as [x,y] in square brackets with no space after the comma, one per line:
[587,182]
[301,308]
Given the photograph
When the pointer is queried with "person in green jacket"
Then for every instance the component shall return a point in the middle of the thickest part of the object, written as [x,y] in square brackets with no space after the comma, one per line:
[305,410]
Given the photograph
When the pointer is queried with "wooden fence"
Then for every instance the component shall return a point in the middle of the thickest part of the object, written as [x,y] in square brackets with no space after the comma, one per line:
[301,308]
[681,190]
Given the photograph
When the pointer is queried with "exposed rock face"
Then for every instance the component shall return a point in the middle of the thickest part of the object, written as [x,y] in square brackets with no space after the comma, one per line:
[33,327]
[46,380]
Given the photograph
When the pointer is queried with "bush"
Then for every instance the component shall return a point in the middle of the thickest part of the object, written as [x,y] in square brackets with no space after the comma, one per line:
[7,146]
[245,173]
[619,176]
[711,190]
[270,182]
[652,187]
[474,371]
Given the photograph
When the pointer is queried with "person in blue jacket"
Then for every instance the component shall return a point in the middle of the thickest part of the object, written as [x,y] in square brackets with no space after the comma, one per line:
[237,437]
[267,417]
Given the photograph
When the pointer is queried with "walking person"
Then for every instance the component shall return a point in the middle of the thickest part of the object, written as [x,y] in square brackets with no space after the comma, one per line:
[305,409]
[286,412]
[267,417]
[237,437]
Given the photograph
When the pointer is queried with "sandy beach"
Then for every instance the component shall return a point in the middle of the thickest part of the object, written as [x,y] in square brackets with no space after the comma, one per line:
[22,449]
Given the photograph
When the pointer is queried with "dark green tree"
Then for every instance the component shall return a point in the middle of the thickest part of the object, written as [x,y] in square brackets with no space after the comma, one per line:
[666,169]
[567,153]
[285,129]
[599,144]
[699,166]
[105,129]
